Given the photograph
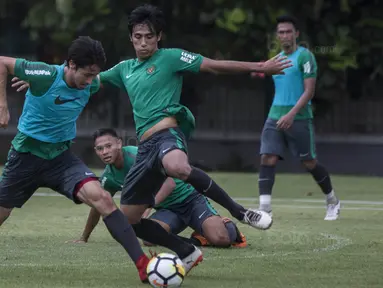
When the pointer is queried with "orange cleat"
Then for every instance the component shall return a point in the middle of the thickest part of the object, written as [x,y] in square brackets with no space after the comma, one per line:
[200,238]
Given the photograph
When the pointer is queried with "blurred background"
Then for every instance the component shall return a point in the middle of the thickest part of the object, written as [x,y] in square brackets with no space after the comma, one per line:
[345,36]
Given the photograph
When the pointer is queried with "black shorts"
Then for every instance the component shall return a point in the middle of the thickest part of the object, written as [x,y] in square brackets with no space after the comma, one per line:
[24,173]
[299,139]
[192,212]
[147,175]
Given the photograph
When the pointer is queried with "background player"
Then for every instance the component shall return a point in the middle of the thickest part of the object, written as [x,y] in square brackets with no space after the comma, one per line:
[178,205]
[290,120]
[40,154]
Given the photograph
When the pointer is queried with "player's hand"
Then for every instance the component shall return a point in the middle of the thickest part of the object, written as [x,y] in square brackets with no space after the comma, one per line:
[286,121]
[19,84]
[78,241]
[276,65]
[4,115]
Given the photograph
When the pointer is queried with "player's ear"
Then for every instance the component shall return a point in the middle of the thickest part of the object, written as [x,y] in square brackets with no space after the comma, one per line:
[72,65]
[297,33]
[119,143]
[159,36]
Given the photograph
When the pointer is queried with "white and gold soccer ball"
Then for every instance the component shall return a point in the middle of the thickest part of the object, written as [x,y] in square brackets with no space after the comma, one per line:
[165,270]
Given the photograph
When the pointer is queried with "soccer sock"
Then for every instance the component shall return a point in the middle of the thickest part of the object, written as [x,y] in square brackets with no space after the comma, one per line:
[206,186]
[122,232]
[154,233]
[233,232]
[265,184]
[323,179]
[192,240]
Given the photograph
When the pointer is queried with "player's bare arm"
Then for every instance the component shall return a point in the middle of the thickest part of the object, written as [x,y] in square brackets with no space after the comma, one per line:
[166,189]
[91,223]
[309,88]
[275,65]
[7,66]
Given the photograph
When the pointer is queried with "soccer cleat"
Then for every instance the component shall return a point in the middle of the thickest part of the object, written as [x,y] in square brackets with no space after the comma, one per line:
[241,242]
[333,211]
[192,260]
[142,264]
[200,239]
[257,219]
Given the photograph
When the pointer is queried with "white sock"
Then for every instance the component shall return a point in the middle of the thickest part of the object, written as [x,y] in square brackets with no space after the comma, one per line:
[265,202]
[331,198]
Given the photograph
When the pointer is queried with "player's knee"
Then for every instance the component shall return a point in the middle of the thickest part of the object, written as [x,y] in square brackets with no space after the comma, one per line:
[97,197]
[176,164]
[269,160]
[220,238]
[309,164]
[215,232]
[180,170]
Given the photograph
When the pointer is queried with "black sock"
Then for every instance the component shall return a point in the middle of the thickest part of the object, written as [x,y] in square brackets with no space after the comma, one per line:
[206,186]
[152,232]
[234,234]
[122,232]
[266,179]
[322,178]
[192,240]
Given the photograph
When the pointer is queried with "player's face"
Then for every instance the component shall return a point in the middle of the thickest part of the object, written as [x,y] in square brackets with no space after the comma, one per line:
[144,40]
[287,35]
[108,148]
[82,77]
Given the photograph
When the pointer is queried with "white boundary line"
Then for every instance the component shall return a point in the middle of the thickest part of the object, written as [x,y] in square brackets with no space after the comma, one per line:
[295,206]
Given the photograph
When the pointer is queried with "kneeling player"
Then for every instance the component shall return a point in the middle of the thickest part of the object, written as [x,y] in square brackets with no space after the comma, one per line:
[178,204]
[185,207]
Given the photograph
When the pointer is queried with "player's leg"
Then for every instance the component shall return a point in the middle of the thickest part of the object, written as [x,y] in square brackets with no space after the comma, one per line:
[170,221]
[205,221]
[272,149]
[176,164]
[141,185]
[69,176]
[18,182]
[301,139]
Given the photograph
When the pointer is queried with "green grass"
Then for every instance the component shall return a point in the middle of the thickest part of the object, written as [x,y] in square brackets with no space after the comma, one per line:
[300,250]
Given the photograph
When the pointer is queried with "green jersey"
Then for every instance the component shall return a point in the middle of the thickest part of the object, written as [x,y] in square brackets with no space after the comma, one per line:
[112,180]
[154,87]
[290,86]
[40,77]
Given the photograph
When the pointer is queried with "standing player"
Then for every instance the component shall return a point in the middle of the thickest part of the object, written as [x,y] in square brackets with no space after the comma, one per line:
[153,82]
[40,155]
[290,120]
[178,205]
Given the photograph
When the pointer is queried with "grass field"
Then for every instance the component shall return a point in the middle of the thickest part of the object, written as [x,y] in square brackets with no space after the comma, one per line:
[301,249]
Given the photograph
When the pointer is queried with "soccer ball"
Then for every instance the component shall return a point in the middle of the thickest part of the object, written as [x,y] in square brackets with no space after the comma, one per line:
[165,270]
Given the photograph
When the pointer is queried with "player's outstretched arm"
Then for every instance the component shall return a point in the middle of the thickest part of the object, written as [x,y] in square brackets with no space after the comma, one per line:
[165,190]
[275,65]
[7,66]
[91,223]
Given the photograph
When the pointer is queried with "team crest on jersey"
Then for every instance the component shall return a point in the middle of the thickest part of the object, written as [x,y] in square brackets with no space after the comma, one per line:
[151,69]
